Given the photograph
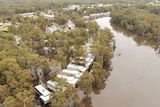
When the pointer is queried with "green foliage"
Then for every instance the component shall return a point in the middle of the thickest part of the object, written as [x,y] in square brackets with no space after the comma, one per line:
[86,82]
[61,19]
[59,99]
[142,19]
[102,47]
[19,60]
[79,22]
[93,27]
[100,75]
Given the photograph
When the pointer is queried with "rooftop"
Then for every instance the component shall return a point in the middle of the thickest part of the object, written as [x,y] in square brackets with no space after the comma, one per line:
[42,90]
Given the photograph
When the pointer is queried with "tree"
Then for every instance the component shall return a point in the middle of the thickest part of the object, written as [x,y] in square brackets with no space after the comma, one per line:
[36,62]
[99,75]
[16,80]
[86,102]
[61,57]
[59,99]
[11,102]
[41,22]
[61,19]
[26,97]
[102,47]
[61,84]
[86,82]
[79,22]
[93,27]
[72,92]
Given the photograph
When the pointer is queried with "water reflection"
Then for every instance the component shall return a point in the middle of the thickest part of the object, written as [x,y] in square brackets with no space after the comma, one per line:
[86,102]
[140,40]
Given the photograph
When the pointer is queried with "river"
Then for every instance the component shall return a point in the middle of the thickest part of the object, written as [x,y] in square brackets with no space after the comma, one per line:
[135,78]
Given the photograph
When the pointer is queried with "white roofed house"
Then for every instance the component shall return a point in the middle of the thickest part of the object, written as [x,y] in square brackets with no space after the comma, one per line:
[74,73]
[74,7]
[44,94]
[70,80]
[77,67]
[86,17]
[47,16]
[70,25]
[52,29]
[54,86]
[30,14]
[51,85]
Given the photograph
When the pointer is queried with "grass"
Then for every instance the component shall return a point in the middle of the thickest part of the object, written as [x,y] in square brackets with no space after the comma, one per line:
[4,28]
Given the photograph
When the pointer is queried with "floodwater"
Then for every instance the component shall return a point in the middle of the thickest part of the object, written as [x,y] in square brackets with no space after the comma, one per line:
[135,78]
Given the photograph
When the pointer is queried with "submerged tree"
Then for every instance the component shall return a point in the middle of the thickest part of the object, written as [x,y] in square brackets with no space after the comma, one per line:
[86,82]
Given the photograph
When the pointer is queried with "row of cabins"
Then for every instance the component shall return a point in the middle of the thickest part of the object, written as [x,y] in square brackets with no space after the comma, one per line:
[34,15]
[71,74]
[97,15]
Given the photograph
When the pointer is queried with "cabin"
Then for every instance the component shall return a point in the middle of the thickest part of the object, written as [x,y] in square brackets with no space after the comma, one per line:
[43,93]
[89,61]
[30,14]
[70,80]
[48,16]
[77,67]
[70,25]
[45,99]
[74,7]
[51,29]
[53,85]
[86,17]
[74,73]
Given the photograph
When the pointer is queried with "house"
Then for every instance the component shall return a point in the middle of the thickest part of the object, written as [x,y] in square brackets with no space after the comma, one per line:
[74,7]
[74,73]
[30,14]
[70,25]
[48,16]
[43,93]
[53,85]
[45,99]
[89,61]
[77,67]
[51,29]
[17,38]
[86,17]
[70,80]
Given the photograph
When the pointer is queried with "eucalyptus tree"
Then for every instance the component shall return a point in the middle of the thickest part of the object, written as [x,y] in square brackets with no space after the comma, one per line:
[86,82]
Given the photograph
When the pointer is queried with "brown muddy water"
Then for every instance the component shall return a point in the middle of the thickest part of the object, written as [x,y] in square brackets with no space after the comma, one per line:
[135,78]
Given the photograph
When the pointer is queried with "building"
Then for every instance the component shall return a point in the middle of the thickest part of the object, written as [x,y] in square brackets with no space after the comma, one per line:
[77,67]
[70,80]
[48,16]
[51,29]
[43,93]
[30,14]
[74,73]
[74,7]
[70,25]
[53,85]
